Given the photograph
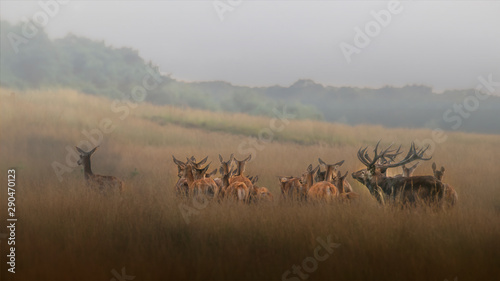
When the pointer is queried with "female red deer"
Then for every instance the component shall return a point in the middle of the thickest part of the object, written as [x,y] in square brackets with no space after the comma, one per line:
[182,187]
[240,170]
[237,190]
[292,188]
[103,183]
[339,182]
[409,189]
[450,195]
[259,194]
[198,183]
[331,173]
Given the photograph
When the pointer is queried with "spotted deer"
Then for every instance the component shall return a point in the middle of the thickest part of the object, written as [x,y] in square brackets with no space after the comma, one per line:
[450,195]
[407,189]
[102,183]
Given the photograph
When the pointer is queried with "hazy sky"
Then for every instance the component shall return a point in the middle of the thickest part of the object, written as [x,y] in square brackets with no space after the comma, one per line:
[443,45]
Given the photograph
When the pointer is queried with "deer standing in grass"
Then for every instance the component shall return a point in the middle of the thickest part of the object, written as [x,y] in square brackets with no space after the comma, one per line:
[344,194]
[331,173]
[240,170]
[198,183]
[236,190]
[224,169]
[292,188]
[323,190]
[260,194]
[103,183]
[408,189]
[182,187]
[450,195]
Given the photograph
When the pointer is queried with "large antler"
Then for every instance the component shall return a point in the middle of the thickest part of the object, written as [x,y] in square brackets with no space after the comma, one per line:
[380,159]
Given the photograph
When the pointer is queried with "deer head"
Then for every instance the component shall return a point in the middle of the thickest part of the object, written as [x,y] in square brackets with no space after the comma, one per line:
[240,165]
[225,165]
[438,174]
[331,169]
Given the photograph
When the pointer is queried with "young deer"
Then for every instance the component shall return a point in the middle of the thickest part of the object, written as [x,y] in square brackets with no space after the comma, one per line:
[331,173]
[224,169]
[409,189]
[259,194]
[339,182]
[240,170]
[203,184]
[237,190]
[292,188]
[450,195]
[323,191]
[103,183]
[182,187]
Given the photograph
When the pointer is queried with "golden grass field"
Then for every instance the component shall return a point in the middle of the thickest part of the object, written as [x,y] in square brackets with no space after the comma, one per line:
[66,232]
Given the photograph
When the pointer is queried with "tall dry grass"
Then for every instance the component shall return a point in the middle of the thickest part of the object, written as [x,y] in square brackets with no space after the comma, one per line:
[66,232]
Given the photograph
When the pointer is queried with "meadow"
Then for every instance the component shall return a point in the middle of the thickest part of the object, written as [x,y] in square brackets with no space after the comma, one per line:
[66,232]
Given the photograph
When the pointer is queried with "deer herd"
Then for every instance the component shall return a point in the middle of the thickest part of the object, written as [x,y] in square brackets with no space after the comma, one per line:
[314,185]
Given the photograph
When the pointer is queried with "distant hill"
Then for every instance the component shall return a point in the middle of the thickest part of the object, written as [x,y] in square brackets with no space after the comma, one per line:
[99,69]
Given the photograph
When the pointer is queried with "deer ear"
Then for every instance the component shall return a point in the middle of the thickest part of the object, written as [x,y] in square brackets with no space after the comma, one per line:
[93,150]
[220,158]
[339,174]
[231,157]
[434,166]
[309,168]
[315,170]
[203,161]
[248,158]
[345,174]
[339,163]
[321,161]
[80,150]
[442,169]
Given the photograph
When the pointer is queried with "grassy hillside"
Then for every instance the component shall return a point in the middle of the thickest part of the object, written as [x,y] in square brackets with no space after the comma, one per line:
[66,232]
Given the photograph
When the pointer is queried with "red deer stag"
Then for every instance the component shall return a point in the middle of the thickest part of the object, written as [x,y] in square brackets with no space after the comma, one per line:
[103,183]
[409,189]
[450,195]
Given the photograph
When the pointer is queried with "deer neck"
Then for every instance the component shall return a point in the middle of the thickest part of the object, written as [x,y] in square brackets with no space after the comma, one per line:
[87,168]
[340,185]
[329,173]
[188,174]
